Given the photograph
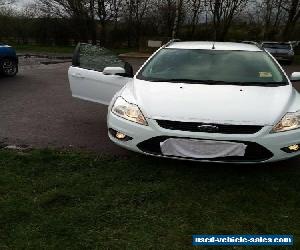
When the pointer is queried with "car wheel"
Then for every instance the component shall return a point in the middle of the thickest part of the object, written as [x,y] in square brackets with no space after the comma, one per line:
[9,67]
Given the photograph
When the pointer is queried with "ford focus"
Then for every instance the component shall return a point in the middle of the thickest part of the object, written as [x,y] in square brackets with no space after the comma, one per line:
[206,101]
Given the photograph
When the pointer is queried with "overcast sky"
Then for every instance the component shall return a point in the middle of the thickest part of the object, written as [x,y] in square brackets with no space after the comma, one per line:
[20,3]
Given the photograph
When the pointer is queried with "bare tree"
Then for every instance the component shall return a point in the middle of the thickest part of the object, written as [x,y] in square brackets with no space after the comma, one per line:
[292,7]
[272,16]
[165,16]
[6,2]
[128,13]
[178,15]
[103,12]
[223,12]
[140,8]
[115,9]
[195,7]
[135,12]
[31,11]
[81,12]
[91,20]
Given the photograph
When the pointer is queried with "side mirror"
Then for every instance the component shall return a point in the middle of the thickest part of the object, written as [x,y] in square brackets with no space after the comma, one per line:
[114,71]
[295,77]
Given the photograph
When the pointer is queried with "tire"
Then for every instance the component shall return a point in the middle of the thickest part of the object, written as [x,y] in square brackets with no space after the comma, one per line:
[9,67]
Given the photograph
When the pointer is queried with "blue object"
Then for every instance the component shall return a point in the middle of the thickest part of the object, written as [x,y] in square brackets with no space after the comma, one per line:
[7,52]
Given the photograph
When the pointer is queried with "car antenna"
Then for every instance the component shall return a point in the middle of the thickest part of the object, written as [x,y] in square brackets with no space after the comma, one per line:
[213,47]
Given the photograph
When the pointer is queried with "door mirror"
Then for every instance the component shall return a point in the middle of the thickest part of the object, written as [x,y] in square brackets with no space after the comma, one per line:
[114,71]
[295,77]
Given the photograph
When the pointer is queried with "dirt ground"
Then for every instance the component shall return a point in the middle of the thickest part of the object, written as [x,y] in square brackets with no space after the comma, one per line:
[37,110]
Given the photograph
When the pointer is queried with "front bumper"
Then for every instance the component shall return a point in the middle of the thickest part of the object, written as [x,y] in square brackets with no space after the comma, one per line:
[262,146]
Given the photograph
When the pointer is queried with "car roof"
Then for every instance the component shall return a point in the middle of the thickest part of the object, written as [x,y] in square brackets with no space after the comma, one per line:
[214,46]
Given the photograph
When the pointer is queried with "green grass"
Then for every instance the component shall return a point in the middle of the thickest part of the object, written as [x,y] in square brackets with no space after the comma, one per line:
[67,200]
[44,49]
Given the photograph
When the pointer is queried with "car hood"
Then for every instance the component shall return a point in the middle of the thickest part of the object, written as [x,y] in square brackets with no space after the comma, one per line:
[223,104]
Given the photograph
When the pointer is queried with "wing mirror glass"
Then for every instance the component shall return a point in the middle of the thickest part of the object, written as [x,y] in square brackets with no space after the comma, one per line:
[295,77]
[114,71]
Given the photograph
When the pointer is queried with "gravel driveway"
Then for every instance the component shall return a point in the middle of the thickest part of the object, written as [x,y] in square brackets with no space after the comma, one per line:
[37,110]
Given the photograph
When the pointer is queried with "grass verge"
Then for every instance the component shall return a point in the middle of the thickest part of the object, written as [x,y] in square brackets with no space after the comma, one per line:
[44,49]
[66,200]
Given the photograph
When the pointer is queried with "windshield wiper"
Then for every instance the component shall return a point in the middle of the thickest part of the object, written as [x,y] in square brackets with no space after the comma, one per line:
[265,84]
[190,81]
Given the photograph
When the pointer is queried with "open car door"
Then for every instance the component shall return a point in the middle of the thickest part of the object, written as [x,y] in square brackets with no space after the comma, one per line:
[88,78]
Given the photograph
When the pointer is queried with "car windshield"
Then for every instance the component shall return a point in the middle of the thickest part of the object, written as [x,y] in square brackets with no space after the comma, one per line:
[212,67]
[277,46]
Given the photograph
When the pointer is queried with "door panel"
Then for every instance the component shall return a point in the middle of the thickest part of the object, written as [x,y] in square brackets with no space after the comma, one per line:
[93,86]
[86,79]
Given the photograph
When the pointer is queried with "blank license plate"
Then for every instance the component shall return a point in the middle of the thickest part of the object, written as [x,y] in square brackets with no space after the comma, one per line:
[201,149]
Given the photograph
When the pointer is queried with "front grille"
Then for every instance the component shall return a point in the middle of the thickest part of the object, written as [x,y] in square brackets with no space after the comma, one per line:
[209,128]
[254,151]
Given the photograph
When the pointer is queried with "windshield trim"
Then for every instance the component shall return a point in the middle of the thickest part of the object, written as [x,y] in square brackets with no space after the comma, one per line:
[285,81]
[211,82]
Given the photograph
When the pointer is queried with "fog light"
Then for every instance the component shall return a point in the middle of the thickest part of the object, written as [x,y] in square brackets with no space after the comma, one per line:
[120,136]
[292,148]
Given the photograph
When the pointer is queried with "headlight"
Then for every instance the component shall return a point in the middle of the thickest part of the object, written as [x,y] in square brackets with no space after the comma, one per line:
[289,122]
[128,111]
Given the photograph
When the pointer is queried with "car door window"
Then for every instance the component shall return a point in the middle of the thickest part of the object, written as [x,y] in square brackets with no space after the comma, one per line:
[96,58]
[86,77]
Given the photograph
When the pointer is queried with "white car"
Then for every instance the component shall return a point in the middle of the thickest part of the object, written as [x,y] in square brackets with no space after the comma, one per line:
[207,101]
